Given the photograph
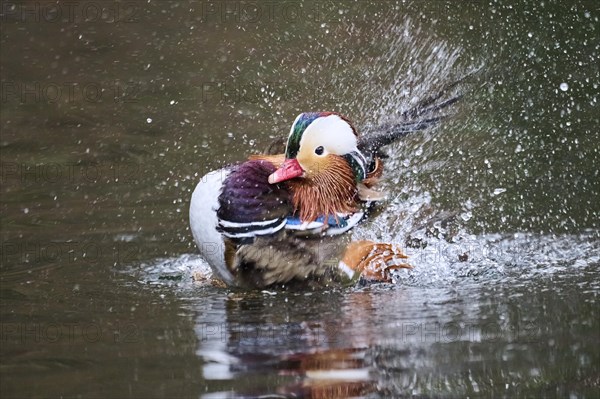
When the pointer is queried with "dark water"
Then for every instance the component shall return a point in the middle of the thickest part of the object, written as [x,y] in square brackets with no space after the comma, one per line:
[111,111]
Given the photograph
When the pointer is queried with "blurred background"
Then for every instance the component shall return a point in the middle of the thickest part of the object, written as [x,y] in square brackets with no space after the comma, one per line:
[111,111]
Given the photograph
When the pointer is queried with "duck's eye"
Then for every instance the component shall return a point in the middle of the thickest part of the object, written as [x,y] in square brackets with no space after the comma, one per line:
[319,150]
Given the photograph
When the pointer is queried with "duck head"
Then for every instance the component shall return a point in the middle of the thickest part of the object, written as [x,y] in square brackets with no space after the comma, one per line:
[320,142]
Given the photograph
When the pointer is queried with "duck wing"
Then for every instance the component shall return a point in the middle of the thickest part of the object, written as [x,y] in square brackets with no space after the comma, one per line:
[249,206]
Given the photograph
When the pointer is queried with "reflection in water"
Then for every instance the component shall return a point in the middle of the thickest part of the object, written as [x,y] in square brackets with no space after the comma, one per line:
[314,358]
[386,342]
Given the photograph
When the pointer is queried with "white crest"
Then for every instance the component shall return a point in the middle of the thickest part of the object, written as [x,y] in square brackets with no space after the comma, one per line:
[333,133]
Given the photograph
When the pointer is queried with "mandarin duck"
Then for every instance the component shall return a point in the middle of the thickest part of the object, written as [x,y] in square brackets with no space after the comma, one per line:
[279,219]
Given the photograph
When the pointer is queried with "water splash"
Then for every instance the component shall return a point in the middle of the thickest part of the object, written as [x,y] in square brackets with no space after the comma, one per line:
[176,272]
[403,66]
[438,262]
[443,185]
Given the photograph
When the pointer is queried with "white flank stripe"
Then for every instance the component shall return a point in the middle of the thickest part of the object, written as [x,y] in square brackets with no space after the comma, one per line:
[256,232]
[304,226]
[225,223]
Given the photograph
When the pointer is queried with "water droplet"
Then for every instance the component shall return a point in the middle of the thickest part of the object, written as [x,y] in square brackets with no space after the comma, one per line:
[466,215]
[564,86]
[148,120]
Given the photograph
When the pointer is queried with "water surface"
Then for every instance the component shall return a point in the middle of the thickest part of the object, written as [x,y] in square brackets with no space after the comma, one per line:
[109,121]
